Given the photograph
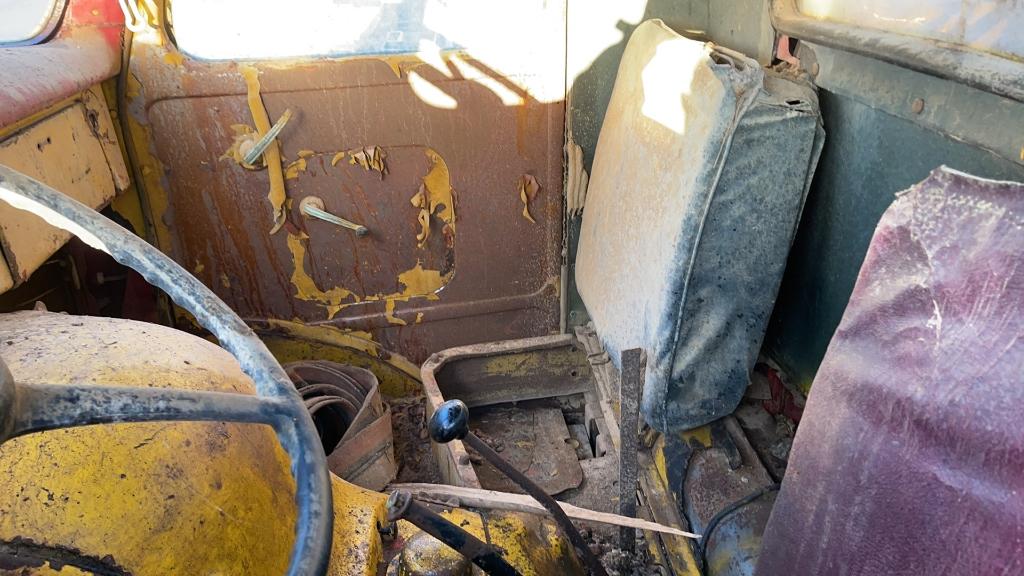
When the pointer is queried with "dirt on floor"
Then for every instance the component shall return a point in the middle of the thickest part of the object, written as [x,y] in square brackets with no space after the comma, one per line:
[619,562]
[412,444]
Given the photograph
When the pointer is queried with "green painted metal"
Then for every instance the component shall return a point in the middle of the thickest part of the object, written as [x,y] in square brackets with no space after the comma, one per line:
[870,154]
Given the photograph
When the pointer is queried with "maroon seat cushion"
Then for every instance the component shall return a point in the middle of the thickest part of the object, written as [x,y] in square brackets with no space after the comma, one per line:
[910,455]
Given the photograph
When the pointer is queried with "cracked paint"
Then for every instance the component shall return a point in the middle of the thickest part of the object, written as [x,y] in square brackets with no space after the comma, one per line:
[273,152]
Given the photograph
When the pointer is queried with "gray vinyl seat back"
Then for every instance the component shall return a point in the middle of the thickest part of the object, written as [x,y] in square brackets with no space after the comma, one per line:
[700,174]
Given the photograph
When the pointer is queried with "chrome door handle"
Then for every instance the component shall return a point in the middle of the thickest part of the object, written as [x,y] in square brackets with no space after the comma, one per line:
[313,207]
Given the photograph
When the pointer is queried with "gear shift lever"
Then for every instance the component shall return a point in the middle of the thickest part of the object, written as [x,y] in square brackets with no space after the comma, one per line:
[451,422]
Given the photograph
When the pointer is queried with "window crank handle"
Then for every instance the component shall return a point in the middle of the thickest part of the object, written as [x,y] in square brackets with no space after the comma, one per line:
[313,207]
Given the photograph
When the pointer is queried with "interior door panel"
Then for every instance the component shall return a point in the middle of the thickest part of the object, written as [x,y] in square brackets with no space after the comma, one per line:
[462,246]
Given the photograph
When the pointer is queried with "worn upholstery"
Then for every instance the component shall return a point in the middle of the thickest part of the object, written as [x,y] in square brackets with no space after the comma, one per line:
[699,177]
[909,454]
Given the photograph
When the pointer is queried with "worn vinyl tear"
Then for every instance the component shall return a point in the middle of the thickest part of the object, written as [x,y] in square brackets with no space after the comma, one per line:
[273,151]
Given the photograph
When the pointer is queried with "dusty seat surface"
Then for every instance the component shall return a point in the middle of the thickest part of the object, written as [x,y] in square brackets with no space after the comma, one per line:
[699,177]
[908,458]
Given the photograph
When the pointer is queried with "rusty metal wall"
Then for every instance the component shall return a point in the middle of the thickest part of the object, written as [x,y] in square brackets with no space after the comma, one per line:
[485,272]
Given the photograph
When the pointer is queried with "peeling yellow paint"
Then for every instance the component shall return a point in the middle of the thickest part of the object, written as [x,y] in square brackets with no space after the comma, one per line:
[306,288]
[224,280]
[415,282]
[419,318]
[419,281]
[273,152]
[368,158]
[244,139]
[419,201]
[389,313]
[199,267]
[401,62]
[291,341]
[150,168]
[435,197]
[528,189]
[439,190]
[174,58]
[291,171]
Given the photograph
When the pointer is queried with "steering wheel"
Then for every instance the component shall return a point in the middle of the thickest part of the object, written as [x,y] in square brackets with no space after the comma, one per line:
[27,408]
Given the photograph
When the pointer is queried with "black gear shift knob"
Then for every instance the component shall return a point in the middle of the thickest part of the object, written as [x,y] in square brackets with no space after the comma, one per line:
[449,422]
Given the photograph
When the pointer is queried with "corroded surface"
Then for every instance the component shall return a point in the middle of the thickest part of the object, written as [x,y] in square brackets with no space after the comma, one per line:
[449,258]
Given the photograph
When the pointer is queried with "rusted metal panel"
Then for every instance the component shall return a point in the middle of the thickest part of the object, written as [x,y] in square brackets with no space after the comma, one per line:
[499,372]
[485,271]
[534,439]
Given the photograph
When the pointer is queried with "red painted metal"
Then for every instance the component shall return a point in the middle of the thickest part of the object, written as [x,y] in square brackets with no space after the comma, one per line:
[84,51]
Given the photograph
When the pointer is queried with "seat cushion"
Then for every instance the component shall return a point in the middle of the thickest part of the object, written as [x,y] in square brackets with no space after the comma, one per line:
[699,177]
[909,454]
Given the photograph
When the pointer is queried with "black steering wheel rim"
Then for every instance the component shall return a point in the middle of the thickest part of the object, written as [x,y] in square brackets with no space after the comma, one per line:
[277,402]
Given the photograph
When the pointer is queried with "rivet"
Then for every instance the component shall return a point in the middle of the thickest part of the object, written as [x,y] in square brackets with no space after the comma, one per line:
[917,106]
[815,68]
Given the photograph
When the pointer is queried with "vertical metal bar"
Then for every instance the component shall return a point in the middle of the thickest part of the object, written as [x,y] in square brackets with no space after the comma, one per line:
[634,363]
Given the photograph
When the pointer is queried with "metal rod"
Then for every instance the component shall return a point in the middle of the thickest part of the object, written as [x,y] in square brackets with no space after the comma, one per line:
[261,145]
[313,207]
[49,406]
[593,564]
[630,387]
[402,506]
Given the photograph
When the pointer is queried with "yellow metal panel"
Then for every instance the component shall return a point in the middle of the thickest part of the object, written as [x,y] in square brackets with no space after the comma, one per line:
[6,280]
[159,498]
[531,543]
[102,124]
[65,152]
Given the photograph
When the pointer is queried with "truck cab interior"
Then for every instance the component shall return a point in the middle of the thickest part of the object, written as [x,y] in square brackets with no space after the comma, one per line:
[453,287]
